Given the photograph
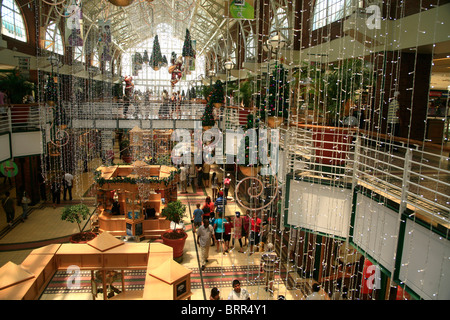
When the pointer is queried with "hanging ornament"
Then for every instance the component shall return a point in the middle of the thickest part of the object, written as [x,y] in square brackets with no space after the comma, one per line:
[176,68]
[188,51]
[145,58]
[156,58]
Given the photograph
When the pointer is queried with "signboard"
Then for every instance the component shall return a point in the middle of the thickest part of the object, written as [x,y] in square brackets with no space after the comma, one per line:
[240,9]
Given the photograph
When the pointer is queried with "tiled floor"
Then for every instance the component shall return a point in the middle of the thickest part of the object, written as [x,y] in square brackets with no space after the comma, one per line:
[45,223]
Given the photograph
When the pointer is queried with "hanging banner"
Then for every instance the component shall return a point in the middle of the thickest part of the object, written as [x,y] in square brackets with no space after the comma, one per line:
[74,26]
[192,60]
[105,39]
[240,9]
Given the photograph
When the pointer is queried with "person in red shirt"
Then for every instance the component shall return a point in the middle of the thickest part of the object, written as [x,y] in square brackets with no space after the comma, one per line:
[255,231]
[208,203]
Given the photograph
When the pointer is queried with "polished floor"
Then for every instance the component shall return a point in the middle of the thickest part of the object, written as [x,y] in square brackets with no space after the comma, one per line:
[44,224]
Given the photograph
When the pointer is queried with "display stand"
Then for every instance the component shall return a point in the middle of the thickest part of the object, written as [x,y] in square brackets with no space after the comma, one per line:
[139,218]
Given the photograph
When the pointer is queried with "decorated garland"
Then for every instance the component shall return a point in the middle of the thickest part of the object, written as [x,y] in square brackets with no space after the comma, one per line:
[101,181]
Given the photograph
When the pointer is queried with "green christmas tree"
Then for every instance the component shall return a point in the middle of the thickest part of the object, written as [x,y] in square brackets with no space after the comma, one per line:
[217,95]
[276,103]
[188,50]
[145,58]
[208,117]
[51,90]
[156,59]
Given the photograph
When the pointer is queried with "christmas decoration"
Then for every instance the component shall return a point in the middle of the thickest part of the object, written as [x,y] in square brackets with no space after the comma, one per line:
[164,62]
[129,86]
[176,69]
[145,58]
[208,116]
[51,91]
[276,102]
[217,94]
[188,51]
[156,59]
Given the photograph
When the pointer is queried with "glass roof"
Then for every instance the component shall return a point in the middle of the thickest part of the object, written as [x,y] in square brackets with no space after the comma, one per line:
[138,21]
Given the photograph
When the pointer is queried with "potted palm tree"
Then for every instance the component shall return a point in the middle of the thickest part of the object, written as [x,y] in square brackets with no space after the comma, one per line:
[176,236]
[77,213]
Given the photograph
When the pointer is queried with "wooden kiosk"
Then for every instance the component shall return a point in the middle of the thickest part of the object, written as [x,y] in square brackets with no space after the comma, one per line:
[104,254]
[139,209]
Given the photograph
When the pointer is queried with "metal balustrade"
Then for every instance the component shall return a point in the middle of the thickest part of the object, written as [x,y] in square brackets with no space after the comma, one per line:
[410,172]
[415,175]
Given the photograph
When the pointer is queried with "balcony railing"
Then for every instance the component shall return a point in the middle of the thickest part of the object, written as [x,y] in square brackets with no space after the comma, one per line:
[413,173]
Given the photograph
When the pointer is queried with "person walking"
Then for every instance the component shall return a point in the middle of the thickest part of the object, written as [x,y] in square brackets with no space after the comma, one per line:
[198,217]
[219,229]
[183,179]
[68,183]
[246,226]
[226,185]
[255,231]
[9,207]
[208,203]
[205,170]
[204,235]
[192,175]
[214,186]
[238,230]
[220,203]
[56,193]
[228,225]
[25,201]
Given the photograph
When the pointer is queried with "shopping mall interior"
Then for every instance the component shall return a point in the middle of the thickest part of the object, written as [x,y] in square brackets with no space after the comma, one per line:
[319,130]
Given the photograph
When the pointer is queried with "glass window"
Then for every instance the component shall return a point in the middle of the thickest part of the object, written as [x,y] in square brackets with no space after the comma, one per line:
[280,22]
[250,47]
[53,40]
[328,11]
[79,55]
[12,21]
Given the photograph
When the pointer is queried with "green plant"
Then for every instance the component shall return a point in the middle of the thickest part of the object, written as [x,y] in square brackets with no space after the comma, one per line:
[341,82]
[76,213]
[218,93]
[15,85]
[174,211]
[206,91]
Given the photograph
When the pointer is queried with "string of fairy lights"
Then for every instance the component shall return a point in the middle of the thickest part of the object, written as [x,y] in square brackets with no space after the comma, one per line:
[336,83]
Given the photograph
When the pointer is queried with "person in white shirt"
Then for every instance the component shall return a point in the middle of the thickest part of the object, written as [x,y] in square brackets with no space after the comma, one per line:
[68,183]
[315,295]
[238,293]
[183,179]
[204,234]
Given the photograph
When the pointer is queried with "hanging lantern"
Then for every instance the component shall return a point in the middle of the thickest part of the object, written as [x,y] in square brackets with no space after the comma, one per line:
[121,3]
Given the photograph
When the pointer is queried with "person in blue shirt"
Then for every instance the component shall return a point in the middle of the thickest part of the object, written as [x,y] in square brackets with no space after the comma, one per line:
[219,229]
[198,217]
[220,203]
